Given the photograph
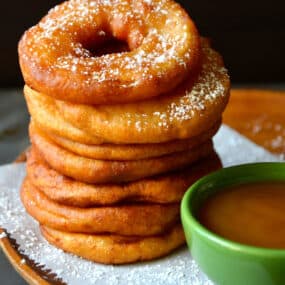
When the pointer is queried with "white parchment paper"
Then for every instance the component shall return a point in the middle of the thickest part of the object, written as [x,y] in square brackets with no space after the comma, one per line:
[178,268]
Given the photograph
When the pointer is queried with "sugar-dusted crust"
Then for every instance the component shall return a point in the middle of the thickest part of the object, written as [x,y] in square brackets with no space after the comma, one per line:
[164,47]
[188,111]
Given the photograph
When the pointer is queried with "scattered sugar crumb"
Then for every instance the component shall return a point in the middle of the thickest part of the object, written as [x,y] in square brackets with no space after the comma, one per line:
[277,142]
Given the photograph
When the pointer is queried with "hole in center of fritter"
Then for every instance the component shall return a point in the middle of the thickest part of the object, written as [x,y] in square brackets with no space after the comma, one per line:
[106,45]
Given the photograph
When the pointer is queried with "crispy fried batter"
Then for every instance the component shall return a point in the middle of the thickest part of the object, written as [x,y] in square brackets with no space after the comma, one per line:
[45,114]
[114,249]
[164,47]
[133,219]
[129,151]
[188,111]
[103,171]
[118,135]
[168,188]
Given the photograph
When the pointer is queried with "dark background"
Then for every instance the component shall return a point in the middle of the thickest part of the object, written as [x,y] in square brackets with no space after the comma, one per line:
[250,35]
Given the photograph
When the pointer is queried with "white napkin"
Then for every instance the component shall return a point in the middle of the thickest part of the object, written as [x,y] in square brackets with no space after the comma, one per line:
[178,268]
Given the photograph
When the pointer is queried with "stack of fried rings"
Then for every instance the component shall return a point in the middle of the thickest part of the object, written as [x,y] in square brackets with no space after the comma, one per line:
[118,138]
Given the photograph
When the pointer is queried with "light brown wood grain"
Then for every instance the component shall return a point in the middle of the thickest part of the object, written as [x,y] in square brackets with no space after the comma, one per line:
[259,115]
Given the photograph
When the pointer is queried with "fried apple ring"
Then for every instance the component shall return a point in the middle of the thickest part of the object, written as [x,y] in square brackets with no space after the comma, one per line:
[133,219]
[168,188]
[56,60]
[185,112]
[103,171]
[129,152]
[114,249]
[45,114]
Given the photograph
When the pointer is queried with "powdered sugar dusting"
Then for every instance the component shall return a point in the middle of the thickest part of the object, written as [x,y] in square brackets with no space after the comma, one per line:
[208,88]
[172,114]
[263,124]
[178,268]
[56,44]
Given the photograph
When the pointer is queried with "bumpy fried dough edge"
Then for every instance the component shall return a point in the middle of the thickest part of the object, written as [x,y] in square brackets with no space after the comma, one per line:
[129,151]
[183,113]
[168,188]
[164,48]
[102,171]
[128,219]
[112,249]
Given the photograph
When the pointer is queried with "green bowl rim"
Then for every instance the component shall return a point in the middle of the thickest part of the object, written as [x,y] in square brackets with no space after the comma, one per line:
[207,234]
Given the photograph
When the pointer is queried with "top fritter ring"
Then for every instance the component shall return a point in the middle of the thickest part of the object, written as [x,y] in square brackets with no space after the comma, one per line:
[163,44]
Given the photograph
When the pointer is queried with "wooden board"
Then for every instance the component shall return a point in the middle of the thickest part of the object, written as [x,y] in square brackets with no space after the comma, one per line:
[257,114]
[260,116]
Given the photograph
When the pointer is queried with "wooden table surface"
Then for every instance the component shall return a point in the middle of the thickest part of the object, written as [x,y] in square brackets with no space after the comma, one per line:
[257,114]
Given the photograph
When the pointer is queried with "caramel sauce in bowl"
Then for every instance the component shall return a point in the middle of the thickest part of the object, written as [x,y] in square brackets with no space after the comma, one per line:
[252,214]
[234,222]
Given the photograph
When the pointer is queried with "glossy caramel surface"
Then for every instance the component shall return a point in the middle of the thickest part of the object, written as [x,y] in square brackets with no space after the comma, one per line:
[252,214]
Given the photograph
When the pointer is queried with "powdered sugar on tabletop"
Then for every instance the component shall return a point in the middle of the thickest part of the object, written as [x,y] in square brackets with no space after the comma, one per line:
[178,268]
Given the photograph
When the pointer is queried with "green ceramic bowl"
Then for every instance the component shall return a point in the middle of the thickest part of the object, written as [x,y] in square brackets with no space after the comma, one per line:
[226,262]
